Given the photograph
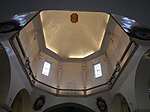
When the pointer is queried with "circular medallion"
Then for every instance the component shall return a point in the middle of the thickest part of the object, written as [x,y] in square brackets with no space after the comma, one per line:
[39,102]
[101,104]
[74,17]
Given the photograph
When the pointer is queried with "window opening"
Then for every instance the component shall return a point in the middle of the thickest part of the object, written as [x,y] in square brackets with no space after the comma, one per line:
[46,68]
[97,70]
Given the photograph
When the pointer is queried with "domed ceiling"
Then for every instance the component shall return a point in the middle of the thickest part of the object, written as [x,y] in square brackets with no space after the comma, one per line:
[72,34]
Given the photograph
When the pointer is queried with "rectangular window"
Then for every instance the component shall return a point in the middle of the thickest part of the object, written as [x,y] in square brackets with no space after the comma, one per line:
[46,68]
[97,70]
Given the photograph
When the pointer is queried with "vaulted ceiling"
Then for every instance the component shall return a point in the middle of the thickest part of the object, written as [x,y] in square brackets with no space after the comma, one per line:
[73,40]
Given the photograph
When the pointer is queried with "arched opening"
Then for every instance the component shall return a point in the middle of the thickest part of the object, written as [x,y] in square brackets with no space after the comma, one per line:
[4,75]
[119,104]
[68,107]
[142,83]
[22,102]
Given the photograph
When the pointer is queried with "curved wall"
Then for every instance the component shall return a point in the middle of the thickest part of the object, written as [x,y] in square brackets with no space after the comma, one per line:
[142,83]
[22,102]
[5,75]
[119,104]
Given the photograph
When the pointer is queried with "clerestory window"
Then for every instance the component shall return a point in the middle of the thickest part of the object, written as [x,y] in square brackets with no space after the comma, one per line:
[97,70]
[46,68]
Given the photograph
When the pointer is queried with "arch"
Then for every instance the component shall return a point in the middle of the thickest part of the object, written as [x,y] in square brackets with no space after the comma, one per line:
[5,75]
[119,104]
[142,82]
[22,102]
[68,107]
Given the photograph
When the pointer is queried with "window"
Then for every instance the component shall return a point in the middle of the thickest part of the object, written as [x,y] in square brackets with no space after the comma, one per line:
[97,70]
[46,68]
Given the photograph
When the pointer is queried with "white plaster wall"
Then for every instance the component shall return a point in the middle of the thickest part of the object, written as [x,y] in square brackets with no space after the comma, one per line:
[29,42]
[51,79]
[126,82]
[86,101]
[118,43]
[4,75]
[141,84]
[91,80]
[28,39]
[72,76]
[18,77]
[72,73]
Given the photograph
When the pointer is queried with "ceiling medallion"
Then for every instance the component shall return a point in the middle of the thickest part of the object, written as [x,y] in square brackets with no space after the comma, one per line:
[74,17]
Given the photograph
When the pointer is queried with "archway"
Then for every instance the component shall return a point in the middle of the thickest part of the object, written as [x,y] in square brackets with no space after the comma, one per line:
[5,76]
[68,107]
[22,102]
[142,83]
[119,104]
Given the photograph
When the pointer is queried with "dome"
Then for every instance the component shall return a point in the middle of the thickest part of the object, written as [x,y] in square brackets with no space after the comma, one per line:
[70,39]
[74,52]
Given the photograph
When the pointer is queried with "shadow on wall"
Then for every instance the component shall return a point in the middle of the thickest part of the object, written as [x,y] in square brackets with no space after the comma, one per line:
[68,107]
[119,104]
[5,76]
[22,102]
[142,84]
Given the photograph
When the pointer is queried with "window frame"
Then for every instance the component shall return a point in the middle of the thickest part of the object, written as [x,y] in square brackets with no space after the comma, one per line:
[46,61]
[101,74]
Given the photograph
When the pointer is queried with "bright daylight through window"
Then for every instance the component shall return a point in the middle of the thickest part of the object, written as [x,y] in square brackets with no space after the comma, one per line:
[97,70]
[46,68]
